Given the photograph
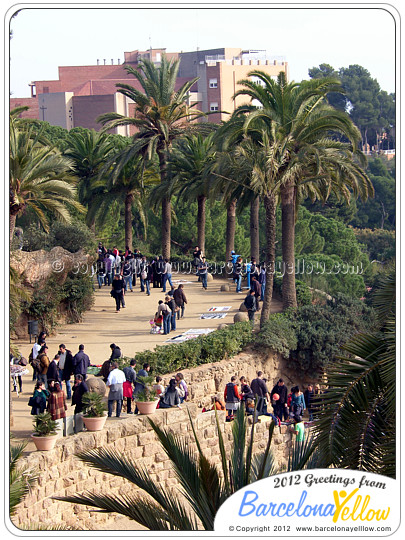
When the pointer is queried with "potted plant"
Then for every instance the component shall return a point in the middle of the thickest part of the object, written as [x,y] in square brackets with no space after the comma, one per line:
[94,408]
[146,399]
[44,435]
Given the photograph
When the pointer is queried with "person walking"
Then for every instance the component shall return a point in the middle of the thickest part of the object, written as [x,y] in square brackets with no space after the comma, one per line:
[101,272]
[108,264]
[280,407]
[127,275]
[159,270]
[180,299]
[143,275]
[34,354]
[167,274]
[165,311]
[196,260]
[262,281]
[115,383]
[81,362]
[117,292]
[203,271]
[57,402]
[250,303]
[65,367]
[237,273]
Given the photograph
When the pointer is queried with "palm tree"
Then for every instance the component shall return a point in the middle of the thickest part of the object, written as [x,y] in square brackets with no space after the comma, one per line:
[88,151]
[161,115]
[127,187]
[356,426]
[40,178]
[246,172]
[190,163]
[302,130]
[202,485]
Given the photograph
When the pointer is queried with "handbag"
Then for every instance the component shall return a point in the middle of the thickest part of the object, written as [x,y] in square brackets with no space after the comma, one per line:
[31,402]
[23,361]
[144,274]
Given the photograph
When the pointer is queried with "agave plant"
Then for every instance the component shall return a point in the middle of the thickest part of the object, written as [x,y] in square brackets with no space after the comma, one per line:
[202,485]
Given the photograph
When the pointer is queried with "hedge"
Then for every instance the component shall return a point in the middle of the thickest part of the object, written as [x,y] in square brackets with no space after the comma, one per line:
[212,347]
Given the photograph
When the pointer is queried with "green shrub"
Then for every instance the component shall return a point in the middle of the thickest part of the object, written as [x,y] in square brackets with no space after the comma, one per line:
[73,291]
[321,330]
[304,294]
[72,237]
[212,347]
[278,334]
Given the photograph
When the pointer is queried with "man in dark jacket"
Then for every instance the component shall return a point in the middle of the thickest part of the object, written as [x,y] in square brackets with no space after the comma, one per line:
[81,362]
[65,368]
[80,388]
[180,299]
[251,305]
[280,407]
[259,389]
[256,287]
[53,372]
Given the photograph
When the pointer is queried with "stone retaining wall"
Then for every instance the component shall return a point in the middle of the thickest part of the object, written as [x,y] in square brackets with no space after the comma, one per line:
[62,474]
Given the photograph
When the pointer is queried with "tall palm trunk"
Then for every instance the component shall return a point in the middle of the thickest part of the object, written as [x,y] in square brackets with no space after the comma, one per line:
[270,227]
[201,200]
[12,221]
[254,228]
[129,199]
[166,207]
[230,229]
[288,195]
[166,227]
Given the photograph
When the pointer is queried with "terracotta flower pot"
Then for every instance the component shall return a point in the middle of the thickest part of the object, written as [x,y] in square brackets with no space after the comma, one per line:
[46,442]
[95,423]
[147,407]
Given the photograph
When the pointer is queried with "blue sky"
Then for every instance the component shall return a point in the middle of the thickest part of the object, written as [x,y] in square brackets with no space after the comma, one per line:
[47,37]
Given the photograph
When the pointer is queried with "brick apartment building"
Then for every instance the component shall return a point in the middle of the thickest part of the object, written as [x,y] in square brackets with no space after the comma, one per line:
[82,93]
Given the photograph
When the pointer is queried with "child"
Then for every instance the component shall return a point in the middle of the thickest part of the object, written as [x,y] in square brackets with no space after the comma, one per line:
[158,387]
[299,428]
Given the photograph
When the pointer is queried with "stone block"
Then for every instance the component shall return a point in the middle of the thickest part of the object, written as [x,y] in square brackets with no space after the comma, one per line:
[78,423]
[225,287]
[240,317]
[68,425]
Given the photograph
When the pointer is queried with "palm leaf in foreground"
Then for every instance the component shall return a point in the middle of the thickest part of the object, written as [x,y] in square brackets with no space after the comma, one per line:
[202,491]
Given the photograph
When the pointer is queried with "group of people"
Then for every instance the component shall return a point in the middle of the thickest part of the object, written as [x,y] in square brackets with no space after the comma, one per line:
[50,375]
[255,397]
[127,384]
[173,307]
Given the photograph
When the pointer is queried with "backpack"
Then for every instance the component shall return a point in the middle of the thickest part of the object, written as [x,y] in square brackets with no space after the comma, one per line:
[36,364]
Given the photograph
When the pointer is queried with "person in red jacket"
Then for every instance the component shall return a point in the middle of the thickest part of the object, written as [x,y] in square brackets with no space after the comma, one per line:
[232,397]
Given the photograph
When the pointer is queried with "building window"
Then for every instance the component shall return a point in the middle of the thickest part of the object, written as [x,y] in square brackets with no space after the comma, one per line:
[213,106]
[213,83]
